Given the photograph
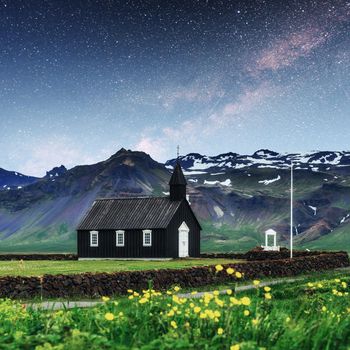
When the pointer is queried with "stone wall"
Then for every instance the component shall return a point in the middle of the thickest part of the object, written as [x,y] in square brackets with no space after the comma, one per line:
[98,284]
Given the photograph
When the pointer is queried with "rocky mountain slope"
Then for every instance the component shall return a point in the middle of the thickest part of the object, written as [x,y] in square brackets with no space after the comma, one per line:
[235,197]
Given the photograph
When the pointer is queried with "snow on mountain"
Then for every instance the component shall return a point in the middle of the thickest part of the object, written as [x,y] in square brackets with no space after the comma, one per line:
[195,163]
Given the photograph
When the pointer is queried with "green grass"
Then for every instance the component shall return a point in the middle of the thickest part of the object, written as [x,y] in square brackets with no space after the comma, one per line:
[299,316]
[41,267]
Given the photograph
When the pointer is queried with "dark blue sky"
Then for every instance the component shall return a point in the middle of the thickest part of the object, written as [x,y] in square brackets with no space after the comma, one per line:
[80,79]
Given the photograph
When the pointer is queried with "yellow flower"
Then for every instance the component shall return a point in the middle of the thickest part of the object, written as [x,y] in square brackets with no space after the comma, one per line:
[130,291]
[136,294]
[238,274]
[105,299]
[344,285]
[256,282]
[143,300]
[219,302]
[235,347]
[246,312]
[337,280]
[171,313]
[216,292]
[130,297]
[173,324]
[197,309]
[255,321]
[324,309]
[228,291]
[268,296]
[176,288]
[310,284]
[267,289]
[220,331]
[245,301]
[121,314]
[109,316]
[194,292]
[169,292]
[187,325]
[230,271]
[319,285]
[202,315]
[218,268]
[287,319]
[235,301]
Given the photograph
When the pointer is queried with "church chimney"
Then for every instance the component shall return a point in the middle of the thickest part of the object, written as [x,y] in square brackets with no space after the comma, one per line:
[177,184]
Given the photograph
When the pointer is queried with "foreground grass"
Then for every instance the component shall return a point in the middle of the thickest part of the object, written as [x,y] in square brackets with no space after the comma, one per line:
[41,267]
[312,314]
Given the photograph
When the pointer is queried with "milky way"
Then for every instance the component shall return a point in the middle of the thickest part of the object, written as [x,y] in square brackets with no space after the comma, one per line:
[80,79]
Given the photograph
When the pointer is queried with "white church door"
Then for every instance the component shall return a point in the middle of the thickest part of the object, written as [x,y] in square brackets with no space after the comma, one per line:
[183,240]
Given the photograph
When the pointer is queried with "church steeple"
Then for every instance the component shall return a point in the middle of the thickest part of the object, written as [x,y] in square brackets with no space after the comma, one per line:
[177,184]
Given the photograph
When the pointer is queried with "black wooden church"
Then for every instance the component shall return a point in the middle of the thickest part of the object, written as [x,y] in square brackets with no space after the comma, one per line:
[141,227]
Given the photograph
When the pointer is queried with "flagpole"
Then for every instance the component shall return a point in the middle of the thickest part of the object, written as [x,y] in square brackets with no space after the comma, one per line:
[291,210]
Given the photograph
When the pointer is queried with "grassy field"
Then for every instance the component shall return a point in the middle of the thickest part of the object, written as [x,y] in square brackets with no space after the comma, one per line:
[41,267]
[313,314]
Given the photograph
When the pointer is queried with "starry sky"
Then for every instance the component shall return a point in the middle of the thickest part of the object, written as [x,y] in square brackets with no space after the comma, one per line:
[81,79]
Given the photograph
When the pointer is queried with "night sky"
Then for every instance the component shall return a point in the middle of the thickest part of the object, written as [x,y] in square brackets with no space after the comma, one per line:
[81,79]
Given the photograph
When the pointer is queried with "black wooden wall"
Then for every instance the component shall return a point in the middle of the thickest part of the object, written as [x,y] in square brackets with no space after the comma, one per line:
[133,245]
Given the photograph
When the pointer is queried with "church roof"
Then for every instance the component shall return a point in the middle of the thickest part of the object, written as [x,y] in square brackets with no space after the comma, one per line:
[129,213]
[177,178]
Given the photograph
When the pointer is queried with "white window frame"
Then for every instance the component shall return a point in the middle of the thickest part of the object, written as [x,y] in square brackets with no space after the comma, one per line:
[145,232]
[92,233]
[117,233]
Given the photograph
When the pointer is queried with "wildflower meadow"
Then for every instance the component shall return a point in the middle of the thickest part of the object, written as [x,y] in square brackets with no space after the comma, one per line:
[312,314]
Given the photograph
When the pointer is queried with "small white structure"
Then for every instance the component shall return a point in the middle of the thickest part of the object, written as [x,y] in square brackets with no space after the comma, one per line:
[268,247]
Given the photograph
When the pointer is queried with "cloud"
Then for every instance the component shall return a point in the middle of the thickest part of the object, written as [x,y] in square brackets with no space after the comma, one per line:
[189,132]
[156,147]
[54,151]
[284,52]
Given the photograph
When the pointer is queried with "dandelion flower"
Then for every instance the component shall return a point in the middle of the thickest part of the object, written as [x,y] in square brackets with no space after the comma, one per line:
[337,280]
[173,324]
[229,291]
[267,289]
[220,331]
[187,325]
[344,285]
[216,292]
[245,301]
[268,296]
[105,299]
[235,347]
[256,282]
[246,312]
[230,271]
[130,291]
[255,321]
[194,292]
[238,274]
[109,316]
[218,268]
[176,288]
[324,309]
[143,300]
[197,309]
[310,284]
[287,319]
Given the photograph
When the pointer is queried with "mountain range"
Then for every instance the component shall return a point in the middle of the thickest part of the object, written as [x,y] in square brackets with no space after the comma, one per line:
[236,198]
